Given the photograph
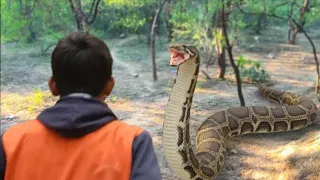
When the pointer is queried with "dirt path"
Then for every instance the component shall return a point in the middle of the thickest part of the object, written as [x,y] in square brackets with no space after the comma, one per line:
[138,100]
[130,68]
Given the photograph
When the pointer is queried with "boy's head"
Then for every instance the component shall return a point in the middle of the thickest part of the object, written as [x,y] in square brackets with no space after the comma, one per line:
[81,63]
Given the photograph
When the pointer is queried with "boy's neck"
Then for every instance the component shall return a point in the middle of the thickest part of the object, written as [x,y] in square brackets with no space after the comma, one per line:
[85,95]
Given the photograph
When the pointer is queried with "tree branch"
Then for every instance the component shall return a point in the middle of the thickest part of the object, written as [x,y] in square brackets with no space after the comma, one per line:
[296,4]
[72,6]
[279,5]
[206,75]
[314,53]
[82,15]
[95,13]
[91,8]
[28,18]
[257,14]
[76,14]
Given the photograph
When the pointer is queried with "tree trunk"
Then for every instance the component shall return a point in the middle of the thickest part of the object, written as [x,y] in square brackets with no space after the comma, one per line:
[153,35]
[294,36]
[79,25]
[229,50]
[212,23]
[219,45]
[289,31]
[220,53]
[290,24]
[32,34]
[168,23]
[78,15]
[82,20]
[259,23]
[305,8]
[265,17]
[153,49]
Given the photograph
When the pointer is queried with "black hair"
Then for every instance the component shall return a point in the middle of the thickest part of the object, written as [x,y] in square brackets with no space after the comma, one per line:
[81,63]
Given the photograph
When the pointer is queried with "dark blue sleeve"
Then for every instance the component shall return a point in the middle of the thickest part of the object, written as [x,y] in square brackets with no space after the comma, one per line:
[2,160]
[144,160]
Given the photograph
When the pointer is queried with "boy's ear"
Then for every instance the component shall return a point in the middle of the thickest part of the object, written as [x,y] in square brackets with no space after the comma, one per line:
[108,87]
[53,87]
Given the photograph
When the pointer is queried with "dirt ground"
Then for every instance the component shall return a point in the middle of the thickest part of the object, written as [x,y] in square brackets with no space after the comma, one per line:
[138,100]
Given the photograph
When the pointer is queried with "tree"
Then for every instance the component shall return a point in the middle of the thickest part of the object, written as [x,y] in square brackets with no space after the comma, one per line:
[153,34]
[28,21]
[219,36]
[124,16]
[229,50]
[194,27]
[169,24]
[84,21]
[305,8]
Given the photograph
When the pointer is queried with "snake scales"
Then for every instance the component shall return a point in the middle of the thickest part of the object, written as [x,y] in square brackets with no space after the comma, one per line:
[207,160]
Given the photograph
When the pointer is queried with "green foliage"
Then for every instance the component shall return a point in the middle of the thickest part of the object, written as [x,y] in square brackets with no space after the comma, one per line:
[47,21]
[200,84]
[251,70]
[197,34]
[132,3]
[111,99]
[219,39]
[280,8]
[193,21]
[313,14]
[188,22]
[28,21]
[193,27]
[11,23]
[127,16]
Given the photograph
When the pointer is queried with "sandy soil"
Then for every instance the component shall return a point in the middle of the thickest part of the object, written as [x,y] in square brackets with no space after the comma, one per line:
[138,100]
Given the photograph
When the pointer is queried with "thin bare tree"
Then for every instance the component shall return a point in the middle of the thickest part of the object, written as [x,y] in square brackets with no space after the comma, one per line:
[153,37]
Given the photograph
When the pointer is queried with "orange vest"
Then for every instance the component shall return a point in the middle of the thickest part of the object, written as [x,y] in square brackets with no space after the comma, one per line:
[34,152]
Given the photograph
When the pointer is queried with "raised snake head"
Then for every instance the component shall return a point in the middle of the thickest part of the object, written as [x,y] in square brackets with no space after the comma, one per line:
[180,53]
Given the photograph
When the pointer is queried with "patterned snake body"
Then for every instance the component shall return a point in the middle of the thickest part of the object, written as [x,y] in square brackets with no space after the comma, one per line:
[208,158]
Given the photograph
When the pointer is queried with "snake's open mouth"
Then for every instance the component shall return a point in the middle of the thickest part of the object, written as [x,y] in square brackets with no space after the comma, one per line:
[178,57]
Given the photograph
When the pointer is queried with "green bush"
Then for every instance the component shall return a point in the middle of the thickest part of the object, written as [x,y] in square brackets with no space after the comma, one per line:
[251,71]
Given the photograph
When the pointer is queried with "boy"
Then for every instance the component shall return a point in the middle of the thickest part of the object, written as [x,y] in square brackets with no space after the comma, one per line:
[79,138]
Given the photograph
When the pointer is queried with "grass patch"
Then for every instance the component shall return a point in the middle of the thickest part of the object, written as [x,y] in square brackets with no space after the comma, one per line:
[26,106]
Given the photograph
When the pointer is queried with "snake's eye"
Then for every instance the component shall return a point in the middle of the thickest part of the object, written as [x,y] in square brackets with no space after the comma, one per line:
[190,52]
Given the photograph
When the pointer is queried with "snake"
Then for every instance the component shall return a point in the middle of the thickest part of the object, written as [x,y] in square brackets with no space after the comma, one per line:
[205,159]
